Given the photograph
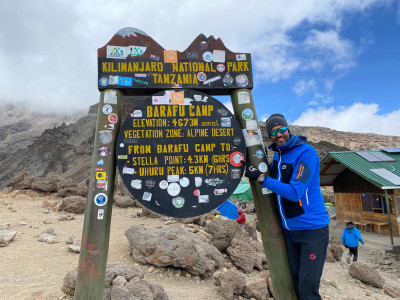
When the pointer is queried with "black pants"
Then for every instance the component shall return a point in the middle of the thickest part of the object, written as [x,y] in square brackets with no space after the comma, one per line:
[307,253]
[353,251]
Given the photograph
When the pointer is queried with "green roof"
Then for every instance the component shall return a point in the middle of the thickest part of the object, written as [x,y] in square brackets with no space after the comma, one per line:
[359,165]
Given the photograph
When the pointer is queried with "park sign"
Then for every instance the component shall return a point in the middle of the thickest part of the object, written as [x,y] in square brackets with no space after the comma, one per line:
[179,153]
[136,64]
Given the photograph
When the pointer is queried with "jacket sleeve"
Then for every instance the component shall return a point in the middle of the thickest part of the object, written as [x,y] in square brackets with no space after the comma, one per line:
[343,237]
[304,170]
[358,235]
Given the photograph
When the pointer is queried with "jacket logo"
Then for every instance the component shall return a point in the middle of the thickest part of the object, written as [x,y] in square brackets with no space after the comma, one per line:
[284,167]
[252,169]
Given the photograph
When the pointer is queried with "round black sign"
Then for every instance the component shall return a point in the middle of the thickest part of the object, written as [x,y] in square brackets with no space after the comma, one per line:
[179,153]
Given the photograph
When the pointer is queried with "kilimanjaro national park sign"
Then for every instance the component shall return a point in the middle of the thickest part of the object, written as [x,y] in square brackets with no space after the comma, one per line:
[179,153]
[133,62]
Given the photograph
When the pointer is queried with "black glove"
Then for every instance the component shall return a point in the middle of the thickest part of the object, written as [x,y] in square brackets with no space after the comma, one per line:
[347,246]
[253,173]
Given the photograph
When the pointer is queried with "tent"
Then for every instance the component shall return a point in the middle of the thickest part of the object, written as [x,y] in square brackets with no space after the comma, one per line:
[228,209]
[243,191]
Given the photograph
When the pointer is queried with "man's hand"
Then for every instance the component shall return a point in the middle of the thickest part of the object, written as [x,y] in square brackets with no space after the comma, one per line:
[253,173]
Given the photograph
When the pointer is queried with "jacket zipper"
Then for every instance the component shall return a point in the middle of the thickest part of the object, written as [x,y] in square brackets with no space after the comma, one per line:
[279,196]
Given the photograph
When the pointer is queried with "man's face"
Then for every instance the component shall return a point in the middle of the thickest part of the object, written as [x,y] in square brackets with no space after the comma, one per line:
[280,138]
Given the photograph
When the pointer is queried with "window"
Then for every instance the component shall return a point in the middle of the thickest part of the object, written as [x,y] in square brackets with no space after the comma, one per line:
[377,203]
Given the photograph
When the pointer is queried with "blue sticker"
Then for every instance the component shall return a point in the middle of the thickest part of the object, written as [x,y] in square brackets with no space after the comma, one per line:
[100,199]
[124,81]
[103,81]
[260,154]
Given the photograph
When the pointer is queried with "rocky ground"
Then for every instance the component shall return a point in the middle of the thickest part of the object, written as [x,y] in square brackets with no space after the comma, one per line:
[30,269]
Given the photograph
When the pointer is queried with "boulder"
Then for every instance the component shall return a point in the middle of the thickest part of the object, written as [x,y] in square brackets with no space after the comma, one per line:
[257,290]
[175,247]
[7,235]
[21,181]
[46,183]
[123,201]
[245,254]
[229,283]
[68,187]
[137,288]
[366,274]
[336,250]
[74,204]
[222,232]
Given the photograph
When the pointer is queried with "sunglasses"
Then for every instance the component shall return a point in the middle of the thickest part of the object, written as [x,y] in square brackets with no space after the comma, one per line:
[282,130]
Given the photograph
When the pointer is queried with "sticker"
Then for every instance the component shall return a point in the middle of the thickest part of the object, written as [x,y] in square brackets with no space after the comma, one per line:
[154,57]
[213,181]
[242,80]
[266,191]
[243,97]
[103,81]
[170,56]
[110,97]
[223,111]
[98,169]
[109,126]
[122,156]
[203,199]
[220,67]
[101,175]
[192,54]
[252,125]
[240,57]
[100,199]
[212,79]
[219,192]
[228,79]
[103,151]
[160,100]
[113,80]
[178,202]
[247,114]
[200,98]
[136,184]
[235,173]
[198,181]
[177,98]
[203,45]
[196,193]
[107,109]
[226,122]
[105,136]
[201,76]
[207,56]
[151,183]
[184,181]
[174,189]
[163,184]
[172,178]
[116,52]
[101,184]
[129,171]
[252,140]
[219,56]
[147,196]
[263,167]
[100,162]
[137,113]
[140,75]
[236,158]
[259,154]
[113,118]
[237,140]
[124,81]
[100,214]
[136,50]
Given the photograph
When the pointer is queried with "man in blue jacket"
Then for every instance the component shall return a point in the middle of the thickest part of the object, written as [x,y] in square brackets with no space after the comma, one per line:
[350,238]
[294,178]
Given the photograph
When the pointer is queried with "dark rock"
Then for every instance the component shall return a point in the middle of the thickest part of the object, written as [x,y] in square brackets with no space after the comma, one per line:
[257,290]
[47,183]
[123,201]
[21,181]
[222,232]
[230,283]
[138,288]
[74,204]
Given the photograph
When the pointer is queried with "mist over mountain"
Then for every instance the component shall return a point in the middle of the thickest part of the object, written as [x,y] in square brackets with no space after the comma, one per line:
[43,143]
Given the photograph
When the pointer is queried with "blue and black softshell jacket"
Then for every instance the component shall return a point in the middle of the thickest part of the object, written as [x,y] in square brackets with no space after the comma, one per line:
[350,237]
[295,180]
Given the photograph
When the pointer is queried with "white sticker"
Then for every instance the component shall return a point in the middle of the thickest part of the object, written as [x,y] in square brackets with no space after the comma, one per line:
[252,140]
[203,199]
[163,184]
[100,214]
[184,181]
[110,97]
[127,170]
[136,184]
[147,196]
[219,56]
[240,57]
[107,109]
[266,191]
[113,80]
[174,189]
[243,97]
[137,113]
[172,178]
[135,50]
[251,124]
[198,181]
[160,100]
[116,52]
[263,167]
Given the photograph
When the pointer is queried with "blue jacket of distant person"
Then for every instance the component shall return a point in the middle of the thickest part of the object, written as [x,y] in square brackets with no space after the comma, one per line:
[350,237]
[295,179]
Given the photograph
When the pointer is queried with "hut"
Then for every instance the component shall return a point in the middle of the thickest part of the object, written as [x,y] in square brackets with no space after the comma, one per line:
[366,187]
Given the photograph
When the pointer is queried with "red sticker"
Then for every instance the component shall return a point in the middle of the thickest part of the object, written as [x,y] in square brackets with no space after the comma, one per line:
[236,158]
[113,118]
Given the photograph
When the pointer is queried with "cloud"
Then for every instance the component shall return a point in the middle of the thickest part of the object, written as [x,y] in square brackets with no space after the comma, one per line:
[359,117]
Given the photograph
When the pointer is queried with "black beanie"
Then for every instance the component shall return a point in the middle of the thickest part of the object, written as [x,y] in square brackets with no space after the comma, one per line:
[275,119]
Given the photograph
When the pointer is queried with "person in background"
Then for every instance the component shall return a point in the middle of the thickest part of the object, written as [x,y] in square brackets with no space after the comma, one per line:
[350,238]
[241,218]
[294,178]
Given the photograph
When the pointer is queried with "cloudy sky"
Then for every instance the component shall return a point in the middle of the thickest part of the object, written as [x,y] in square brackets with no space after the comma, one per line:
[330,63]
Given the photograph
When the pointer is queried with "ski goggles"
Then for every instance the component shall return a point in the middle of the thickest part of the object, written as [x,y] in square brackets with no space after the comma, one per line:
[281,130]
